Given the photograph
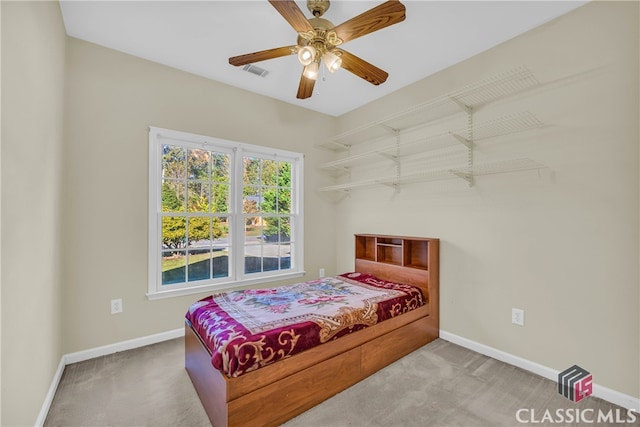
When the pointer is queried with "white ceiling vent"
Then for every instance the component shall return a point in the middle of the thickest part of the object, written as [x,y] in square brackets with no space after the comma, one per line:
[253,69]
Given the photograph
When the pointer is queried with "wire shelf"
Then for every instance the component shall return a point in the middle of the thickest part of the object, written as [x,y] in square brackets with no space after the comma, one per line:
[464,99]
[491,129]
[502,166]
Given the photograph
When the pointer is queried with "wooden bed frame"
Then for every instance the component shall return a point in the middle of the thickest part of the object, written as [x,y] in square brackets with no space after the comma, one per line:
[278,392]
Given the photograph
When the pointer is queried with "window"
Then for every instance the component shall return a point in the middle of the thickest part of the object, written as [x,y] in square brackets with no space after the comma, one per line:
[221,214]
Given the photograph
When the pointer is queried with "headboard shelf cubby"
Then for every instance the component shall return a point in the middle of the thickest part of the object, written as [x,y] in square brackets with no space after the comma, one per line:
[403,251]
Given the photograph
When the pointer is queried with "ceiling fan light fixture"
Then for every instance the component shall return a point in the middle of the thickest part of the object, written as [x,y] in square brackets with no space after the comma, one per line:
[306,55]
[318,41]
[332,61]
[311,71]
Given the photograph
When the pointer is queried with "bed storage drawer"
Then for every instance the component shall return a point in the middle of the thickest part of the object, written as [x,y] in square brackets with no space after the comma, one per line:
[280,401]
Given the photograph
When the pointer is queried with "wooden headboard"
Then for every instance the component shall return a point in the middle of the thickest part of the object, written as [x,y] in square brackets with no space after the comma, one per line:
[410,260]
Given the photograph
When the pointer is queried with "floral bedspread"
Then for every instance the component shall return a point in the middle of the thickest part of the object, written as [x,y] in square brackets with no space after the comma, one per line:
[248,329]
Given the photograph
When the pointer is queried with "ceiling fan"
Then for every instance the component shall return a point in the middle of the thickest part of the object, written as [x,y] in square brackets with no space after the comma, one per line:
[319,41]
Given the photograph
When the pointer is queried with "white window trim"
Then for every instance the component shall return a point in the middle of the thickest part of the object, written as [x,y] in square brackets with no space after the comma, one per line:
[236,278]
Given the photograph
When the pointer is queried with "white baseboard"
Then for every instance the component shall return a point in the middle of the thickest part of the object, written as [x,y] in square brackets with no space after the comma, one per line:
[615,397]
[80,356]
[51,393]
[122,346]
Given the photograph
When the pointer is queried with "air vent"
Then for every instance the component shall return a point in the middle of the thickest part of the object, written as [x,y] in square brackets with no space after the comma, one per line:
[253,69]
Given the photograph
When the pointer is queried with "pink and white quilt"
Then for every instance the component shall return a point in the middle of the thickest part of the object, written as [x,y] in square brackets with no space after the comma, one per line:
[248,329]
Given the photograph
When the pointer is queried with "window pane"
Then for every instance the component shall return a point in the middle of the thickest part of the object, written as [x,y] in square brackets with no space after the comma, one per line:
[253,230]
[221,244]
[285,257]
[220,262]
[199,265]
[174,232]
[253,245]
[270,263]
[270,250]
[265,252]
[220,198]
[285,229]
[199,232]
[270,256]
[251,171]
[271,229]
[198,164]
[284,188]
[173,162]
[220,231]
[252,264]
[284,200]
[284,175]
[197,197]
[220,167]
[269,201]
[173,267]
[251,199]
[173,196]
[269,172]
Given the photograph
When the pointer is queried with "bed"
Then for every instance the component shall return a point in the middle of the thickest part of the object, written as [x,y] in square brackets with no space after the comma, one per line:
[280,390]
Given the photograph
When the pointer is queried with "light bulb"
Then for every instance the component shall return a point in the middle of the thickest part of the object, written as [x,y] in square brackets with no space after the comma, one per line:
[306,55]
[332,61]
[311,71]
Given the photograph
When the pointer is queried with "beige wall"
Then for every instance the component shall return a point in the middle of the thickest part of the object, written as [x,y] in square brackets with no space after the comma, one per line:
[33,56]
[112,99]
[562,244]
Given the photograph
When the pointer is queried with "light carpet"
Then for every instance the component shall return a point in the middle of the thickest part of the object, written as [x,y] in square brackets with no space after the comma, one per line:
[440,384]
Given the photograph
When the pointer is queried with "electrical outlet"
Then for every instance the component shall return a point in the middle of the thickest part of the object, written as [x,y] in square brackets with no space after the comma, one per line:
[116,306]
[321,272]
[517,316]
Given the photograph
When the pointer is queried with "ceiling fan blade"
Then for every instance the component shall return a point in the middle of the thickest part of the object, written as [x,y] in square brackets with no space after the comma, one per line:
[377,18]
[263,55]
[362,68]
[292,13]
[305,88]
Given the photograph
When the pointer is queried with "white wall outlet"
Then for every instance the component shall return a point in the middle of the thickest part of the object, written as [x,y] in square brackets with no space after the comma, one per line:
[321,272]
[517,316]
[116,306]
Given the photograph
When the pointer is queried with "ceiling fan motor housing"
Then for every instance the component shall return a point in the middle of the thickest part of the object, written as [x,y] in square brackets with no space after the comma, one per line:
[322,35]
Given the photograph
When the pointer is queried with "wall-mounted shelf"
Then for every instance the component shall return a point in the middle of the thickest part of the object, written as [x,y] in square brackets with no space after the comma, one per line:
[463,100]
[466,173]
[499,127]
[403,139]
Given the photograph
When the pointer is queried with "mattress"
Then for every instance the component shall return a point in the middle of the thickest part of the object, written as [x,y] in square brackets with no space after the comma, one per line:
[247,329]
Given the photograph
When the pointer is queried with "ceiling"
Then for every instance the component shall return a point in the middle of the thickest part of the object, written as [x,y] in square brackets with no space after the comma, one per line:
[200,36]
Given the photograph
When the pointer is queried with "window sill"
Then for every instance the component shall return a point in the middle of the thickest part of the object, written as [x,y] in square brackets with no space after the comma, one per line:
[220,287]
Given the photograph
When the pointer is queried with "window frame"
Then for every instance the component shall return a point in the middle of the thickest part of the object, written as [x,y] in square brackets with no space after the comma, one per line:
[237,151]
